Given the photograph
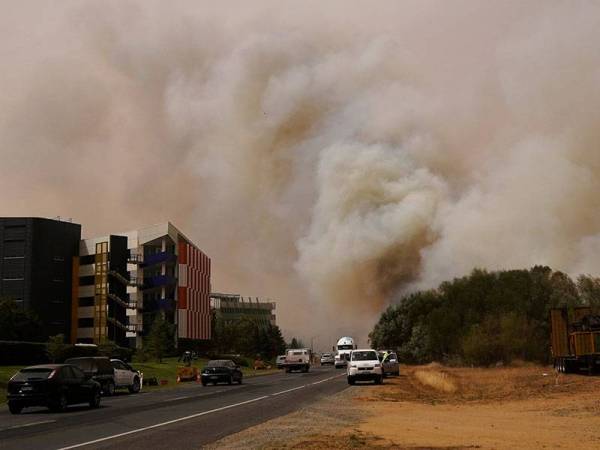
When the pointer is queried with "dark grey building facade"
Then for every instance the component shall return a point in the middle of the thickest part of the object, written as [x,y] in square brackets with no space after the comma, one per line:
[36,268]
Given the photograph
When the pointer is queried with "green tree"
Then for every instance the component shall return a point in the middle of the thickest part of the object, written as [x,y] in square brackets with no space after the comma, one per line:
[296,343]
[483,317]
[56,347]
[589,291]
[18,324]
[160,340]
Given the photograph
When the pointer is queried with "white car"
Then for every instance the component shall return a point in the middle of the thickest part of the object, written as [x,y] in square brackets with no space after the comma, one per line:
[364,365]
[327,358]
[126,377]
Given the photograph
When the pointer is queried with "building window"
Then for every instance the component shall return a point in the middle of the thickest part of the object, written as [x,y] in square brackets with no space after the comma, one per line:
[86,281]
[86,301]
[87,322]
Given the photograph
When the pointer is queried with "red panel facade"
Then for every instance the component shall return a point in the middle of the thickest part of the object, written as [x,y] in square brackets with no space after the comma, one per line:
[193,303]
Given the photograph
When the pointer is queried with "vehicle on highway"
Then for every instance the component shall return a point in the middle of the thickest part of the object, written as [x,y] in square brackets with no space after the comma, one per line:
[363,365]
[52,385]
[221,371]
[343,348]
[327,358]
[297,359]
[99,369]
[280,361]
[126,376]
[390,364]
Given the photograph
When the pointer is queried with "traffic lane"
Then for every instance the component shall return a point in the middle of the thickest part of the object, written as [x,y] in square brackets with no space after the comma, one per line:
[124,402]
[81,424]
[212,425]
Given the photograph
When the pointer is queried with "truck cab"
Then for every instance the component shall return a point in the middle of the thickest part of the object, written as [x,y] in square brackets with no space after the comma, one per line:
[343,348]
[297,359]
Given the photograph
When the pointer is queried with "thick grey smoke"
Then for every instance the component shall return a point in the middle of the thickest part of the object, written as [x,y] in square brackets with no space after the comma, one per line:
[329,156]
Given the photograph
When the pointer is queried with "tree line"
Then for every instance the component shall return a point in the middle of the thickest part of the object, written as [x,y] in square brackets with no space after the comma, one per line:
[245,337]
[483,318]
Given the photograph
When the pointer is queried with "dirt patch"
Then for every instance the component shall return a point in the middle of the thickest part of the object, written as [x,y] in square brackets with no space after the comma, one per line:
[439,407]
[329,421]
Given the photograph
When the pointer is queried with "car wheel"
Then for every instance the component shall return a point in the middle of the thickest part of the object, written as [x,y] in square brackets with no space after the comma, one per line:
[95,400]
[229,380]
[109,389]
[135,387]
[351,380]
[60,404]
[379,380]
[203,383]
[398,373]
[15,408]
[240,380]
[214,383]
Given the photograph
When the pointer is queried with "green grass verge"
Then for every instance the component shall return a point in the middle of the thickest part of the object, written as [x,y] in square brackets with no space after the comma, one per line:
[167,370]
[6,372]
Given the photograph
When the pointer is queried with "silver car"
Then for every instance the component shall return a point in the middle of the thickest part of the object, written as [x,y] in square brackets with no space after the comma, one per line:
[280,361]
[390,364]
[327,358]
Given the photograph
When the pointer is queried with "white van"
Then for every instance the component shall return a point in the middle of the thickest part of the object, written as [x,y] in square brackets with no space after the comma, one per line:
[364,365]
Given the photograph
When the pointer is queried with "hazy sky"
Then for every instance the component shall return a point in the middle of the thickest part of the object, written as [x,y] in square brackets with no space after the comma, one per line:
[329,156]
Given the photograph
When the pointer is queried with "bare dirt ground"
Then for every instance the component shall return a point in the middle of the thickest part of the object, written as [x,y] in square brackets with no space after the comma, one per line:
[435,407]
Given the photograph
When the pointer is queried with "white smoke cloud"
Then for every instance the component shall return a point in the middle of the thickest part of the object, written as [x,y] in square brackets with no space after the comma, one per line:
[328,156]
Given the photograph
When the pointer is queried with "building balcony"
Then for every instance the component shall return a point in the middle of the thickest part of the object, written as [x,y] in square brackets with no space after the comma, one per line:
[159,258]
[158,281]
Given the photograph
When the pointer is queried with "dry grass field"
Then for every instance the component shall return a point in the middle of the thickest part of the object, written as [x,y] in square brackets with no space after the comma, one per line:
[436,407]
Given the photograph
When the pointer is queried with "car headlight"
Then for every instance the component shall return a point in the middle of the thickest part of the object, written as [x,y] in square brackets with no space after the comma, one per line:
[353,366]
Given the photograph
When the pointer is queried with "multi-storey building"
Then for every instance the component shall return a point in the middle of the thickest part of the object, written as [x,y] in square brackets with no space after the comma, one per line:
[127,279]
[233,308]
[101,291]
[36,268]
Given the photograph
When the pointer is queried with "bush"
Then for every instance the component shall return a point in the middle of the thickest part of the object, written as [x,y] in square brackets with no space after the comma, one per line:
[78,351]
[22,353]
[30,353]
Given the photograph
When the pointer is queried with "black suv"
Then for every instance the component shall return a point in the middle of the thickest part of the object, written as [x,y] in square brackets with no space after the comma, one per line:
[51,385]
[221,370]
[99,368]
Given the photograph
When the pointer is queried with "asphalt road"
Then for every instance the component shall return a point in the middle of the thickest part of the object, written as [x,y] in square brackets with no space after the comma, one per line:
[183,418]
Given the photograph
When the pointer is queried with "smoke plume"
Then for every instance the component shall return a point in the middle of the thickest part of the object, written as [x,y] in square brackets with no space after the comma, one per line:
[329,156]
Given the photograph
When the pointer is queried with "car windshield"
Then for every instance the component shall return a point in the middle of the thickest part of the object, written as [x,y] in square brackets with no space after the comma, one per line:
[219,363]
[345,347]
[364,356]
[33,374]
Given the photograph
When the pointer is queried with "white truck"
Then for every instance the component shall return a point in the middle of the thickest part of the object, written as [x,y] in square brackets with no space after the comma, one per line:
[342,351]
[297,359]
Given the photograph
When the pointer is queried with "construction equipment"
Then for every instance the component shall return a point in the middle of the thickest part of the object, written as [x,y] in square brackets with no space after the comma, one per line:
[575,342]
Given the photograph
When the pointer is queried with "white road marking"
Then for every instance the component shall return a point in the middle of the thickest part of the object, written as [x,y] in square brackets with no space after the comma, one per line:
[193,415]
[30,424]
[180,398]
[327,379]
[288,390]
[169,422]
